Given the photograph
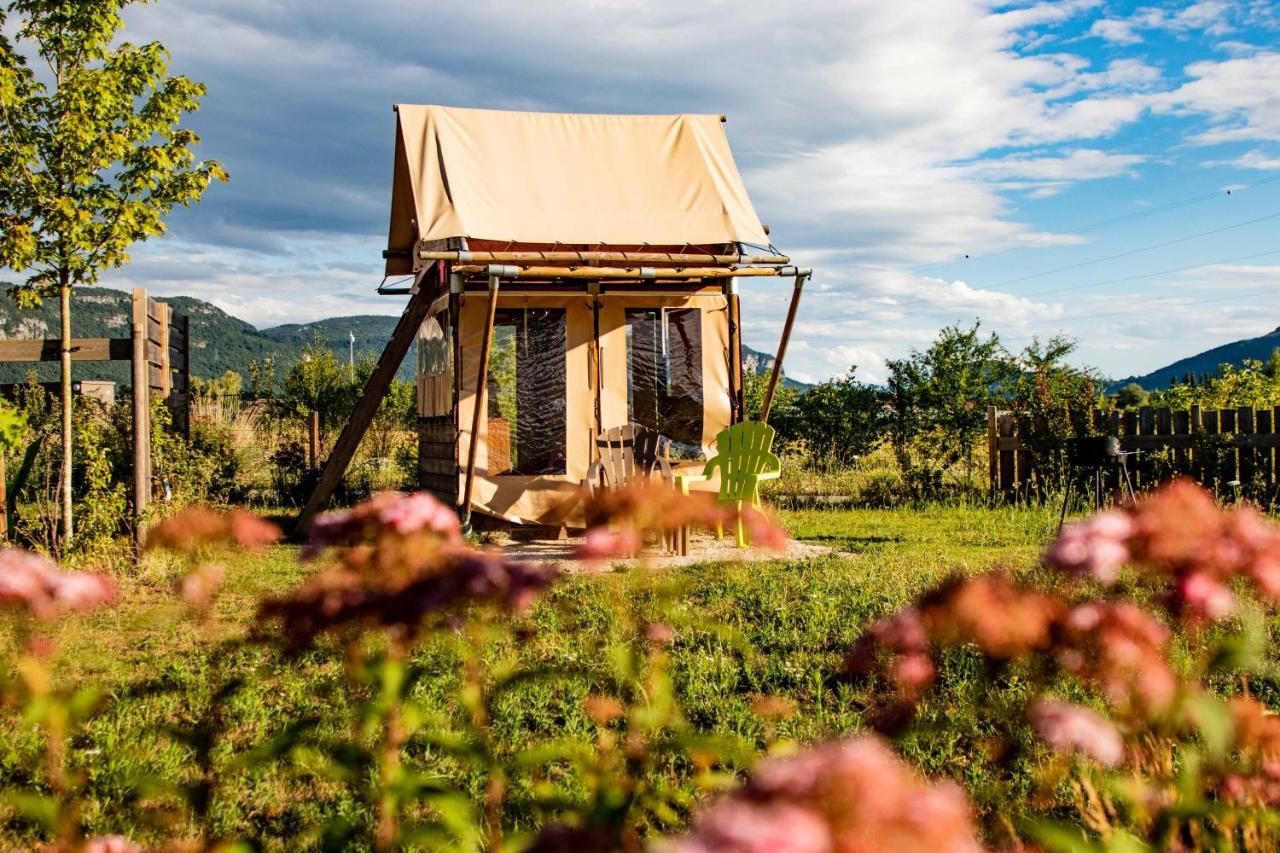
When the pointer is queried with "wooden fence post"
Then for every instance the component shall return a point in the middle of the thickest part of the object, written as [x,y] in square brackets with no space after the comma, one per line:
[993,450]
[141,415]
[313,441]
[4,501]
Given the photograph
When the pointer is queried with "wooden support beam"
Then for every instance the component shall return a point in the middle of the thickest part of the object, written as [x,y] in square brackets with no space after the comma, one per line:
[776,374]
[735,352]
[82,349]
[482,377]
[344,449]
[628,273]
[599,257]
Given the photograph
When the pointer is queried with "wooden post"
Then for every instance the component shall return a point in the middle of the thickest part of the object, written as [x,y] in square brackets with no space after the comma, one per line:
[166,373]
[141,415]
[4,501]
[595,367]
[313,441]
[482,381]
[993,450]
[776,374]
[737,407]
[344,449]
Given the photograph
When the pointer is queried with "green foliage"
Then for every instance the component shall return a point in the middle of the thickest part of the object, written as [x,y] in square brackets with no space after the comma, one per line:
[839,420]
[13,428]
[100,496]
[318,382]
[939,399]
[1054,401]
[94,160]
[1131,396]
[1250,384]
[285,752]
[229,384]
[98,491]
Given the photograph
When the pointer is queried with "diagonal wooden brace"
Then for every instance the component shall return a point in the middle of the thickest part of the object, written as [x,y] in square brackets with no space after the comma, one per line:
[429,286]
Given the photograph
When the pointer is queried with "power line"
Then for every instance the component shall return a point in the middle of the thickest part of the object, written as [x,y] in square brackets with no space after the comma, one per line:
[1121,280]
[1129,312]
[1151,274]
[1138,251]
[1118,220]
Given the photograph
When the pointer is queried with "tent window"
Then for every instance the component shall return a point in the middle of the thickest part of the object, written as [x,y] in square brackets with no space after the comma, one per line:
[664,374]
[527,392]
[435,366]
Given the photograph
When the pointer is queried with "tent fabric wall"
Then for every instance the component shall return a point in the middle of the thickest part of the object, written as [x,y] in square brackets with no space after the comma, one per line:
[521,498]
[543,499]
[716,413]
[557,178]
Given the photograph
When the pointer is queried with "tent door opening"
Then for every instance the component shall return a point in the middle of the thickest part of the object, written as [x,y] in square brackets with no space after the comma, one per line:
[665,375]
[527,393]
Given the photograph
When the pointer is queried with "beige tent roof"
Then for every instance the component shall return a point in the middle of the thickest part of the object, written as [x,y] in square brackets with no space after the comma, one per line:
[547,178]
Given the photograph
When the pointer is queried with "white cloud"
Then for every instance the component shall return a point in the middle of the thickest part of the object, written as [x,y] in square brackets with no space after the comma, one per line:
[1238,95]
[1256,159]
[1115,30]
[870,133]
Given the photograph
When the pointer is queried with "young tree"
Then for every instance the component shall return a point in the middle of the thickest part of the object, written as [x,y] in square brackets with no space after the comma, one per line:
[840,419]
[94,157]
[939,399]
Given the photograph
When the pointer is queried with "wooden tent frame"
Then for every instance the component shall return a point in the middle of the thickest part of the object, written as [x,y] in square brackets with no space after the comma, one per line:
[159,351]
[616,268]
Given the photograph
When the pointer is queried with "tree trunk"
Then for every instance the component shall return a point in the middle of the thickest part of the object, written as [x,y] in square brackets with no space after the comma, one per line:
[64,306]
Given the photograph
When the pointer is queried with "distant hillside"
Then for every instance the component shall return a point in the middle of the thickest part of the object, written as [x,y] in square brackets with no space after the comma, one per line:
[763,363]
[1207,362]
[219,341]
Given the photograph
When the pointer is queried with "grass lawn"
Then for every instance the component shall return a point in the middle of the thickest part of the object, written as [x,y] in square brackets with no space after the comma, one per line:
[785,627]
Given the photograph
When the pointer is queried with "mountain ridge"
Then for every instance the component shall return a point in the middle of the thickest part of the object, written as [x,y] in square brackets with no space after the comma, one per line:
[220,341]
[1207,363]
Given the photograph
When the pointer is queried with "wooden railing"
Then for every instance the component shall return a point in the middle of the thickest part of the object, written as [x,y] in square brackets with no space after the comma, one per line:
[1222,448]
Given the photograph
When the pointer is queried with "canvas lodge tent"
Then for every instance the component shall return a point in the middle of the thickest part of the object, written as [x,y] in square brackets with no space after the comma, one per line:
[571,273]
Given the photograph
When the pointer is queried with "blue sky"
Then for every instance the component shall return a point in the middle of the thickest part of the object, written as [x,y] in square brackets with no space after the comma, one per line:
[881,141]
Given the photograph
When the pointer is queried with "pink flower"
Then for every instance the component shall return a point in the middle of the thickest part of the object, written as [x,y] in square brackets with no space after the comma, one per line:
[111,844]
[603,543]
[914,672]
[197,529]
[744,827]
[762,530]
[1096,548]
[847,796]
[1203,597]
[35,583]
[199,588]
[342,598]
[420,511]
[418,515]
[1066,727]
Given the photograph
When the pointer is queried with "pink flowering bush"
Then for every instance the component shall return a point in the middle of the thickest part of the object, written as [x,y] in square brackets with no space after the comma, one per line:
[850,796]
[1116,696]
[1153,752]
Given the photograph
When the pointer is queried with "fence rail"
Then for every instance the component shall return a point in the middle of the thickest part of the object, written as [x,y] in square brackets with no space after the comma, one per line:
[1217,447]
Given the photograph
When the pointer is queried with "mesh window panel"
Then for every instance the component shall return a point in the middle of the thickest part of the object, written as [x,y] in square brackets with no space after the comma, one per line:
[527,424]
[664,374]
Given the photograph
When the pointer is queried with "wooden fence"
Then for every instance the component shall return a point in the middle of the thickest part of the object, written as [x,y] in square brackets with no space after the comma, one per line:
[159,350]
[1225,448]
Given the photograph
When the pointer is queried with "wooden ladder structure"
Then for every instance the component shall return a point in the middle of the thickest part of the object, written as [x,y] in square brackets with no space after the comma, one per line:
[429,286]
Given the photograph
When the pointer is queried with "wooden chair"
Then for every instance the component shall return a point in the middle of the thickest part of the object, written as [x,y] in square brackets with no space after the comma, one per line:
[628,453]
[745,459]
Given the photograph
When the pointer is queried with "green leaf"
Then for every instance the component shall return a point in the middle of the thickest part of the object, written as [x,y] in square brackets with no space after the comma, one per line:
[1215,723]
[1061,837]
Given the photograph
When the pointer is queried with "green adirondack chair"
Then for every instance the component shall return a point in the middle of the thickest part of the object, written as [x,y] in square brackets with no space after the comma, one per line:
[745,459]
